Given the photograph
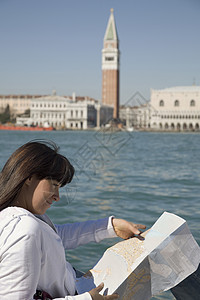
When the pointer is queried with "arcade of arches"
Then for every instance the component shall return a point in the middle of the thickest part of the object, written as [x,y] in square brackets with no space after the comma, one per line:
[178,126]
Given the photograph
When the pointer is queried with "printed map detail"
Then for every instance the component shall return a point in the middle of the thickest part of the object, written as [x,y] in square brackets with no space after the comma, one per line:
[130,250]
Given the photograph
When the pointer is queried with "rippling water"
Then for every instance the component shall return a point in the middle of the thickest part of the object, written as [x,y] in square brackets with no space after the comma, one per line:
[135,176]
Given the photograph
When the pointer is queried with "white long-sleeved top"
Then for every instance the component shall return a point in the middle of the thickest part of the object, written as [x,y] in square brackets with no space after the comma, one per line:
[32,254]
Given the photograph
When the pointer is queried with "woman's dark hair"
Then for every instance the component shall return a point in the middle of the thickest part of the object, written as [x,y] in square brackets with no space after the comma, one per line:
[40,158]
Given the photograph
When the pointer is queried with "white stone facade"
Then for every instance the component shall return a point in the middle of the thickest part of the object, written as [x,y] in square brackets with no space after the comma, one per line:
[80,116]
[138,117]
[176,108]
[49,109]
[66,112]
[63,112]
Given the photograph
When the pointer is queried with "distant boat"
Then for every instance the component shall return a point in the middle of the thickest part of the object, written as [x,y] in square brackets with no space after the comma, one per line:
[130,129]
[25,128]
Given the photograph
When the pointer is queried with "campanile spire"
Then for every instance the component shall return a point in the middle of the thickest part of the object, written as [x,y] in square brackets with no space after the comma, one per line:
[110,66]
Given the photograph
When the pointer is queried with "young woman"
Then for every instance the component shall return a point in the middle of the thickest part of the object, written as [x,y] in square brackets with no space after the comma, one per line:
[32,248]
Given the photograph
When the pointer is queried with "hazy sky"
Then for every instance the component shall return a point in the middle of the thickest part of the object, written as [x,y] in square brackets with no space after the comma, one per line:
[57,44]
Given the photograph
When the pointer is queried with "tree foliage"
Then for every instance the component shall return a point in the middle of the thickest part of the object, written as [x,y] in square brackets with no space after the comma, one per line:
[5,116]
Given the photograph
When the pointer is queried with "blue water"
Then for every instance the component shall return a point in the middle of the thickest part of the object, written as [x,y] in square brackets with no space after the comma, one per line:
[136,176]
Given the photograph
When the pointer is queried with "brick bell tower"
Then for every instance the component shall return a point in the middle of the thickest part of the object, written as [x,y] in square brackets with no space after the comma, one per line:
[110,67]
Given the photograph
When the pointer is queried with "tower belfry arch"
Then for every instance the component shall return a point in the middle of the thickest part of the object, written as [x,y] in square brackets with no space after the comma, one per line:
[111,66]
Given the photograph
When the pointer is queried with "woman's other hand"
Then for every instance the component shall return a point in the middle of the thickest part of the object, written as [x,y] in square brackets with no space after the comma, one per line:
[94,293]
[125,229]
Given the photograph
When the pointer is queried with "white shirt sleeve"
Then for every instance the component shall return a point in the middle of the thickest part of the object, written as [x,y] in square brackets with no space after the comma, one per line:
[76,234]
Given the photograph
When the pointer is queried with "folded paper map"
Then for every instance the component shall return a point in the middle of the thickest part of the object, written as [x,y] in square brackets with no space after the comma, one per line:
[139,269]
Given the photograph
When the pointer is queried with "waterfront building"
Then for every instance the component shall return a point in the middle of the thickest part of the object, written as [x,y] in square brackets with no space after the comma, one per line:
[110,67]
[175,108]
[66,112]
[18,104]
[48,110]
[137,117]
[80,115]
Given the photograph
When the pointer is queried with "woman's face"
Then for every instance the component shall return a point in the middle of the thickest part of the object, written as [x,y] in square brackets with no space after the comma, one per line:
[44,192]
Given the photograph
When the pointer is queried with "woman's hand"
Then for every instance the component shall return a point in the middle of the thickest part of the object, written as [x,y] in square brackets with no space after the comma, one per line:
[94,293]
[125,229]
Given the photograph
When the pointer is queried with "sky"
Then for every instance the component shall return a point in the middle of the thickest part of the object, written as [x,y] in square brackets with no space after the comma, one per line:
[51,45]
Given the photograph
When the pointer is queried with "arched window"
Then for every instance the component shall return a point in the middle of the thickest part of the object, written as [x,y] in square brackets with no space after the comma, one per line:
[190,126]
[176,103]
[161,103]
[192,103]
